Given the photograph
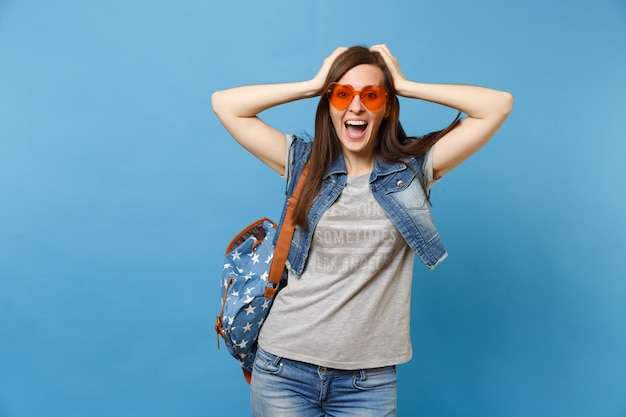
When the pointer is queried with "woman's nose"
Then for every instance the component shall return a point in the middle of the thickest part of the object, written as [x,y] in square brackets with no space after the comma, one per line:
[356,105]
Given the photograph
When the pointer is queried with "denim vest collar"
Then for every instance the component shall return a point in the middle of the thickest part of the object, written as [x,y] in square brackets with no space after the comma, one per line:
[381,168]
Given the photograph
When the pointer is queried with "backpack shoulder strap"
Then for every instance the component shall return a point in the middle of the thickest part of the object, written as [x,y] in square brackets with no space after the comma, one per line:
[284,239]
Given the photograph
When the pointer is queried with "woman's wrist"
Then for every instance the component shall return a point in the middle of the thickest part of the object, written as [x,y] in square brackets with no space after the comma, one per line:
[407,88]
[312,88]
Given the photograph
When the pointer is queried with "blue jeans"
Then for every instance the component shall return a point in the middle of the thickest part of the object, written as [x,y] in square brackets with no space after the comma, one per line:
[285,388]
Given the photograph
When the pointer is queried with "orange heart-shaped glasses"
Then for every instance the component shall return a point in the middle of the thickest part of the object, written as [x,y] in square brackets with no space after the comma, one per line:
[373,97]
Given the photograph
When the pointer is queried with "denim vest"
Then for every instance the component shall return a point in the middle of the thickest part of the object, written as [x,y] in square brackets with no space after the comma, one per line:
[394,186]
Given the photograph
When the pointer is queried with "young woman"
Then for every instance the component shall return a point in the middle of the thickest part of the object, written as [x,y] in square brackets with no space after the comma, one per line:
[336,332]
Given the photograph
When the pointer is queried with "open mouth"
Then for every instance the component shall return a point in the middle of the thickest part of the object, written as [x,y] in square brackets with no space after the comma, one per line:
[355,128]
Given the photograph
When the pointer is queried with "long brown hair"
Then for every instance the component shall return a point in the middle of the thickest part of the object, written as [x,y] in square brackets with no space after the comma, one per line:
[393,144]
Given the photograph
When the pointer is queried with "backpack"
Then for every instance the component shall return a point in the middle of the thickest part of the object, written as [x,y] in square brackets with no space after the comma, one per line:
[253,273]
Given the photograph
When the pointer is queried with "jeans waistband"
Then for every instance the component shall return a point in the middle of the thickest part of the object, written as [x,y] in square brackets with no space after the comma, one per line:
[316,369]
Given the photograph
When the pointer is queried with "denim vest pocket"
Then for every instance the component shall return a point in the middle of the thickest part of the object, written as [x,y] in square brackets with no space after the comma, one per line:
[407,190]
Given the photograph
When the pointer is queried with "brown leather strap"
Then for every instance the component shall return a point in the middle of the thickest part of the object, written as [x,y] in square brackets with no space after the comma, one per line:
[284,240]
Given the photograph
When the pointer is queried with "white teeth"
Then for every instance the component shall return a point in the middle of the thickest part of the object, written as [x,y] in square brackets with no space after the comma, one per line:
[356,122]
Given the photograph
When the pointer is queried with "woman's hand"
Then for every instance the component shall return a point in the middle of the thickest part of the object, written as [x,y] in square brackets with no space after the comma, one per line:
[392,65]
[486,110]
[238,109]
[319,80]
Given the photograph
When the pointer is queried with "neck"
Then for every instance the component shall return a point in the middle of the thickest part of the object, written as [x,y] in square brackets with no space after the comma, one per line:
[356,166]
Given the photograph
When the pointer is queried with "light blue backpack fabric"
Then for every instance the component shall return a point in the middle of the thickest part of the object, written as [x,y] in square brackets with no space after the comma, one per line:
[244,278]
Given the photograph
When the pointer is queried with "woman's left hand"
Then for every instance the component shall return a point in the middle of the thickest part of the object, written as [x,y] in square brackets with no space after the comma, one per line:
[392,64]
[486,110]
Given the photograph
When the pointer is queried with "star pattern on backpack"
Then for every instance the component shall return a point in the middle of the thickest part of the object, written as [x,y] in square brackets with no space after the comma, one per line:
[244,277]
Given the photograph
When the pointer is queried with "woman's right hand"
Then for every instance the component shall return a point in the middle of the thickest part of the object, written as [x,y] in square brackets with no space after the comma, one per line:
[238,108]
[319,80]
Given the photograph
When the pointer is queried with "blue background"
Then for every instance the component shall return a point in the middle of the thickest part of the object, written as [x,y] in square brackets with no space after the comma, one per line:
[119,190]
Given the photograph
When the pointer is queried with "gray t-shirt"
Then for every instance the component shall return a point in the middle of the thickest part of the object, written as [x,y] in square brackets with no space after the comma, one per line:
[350,309]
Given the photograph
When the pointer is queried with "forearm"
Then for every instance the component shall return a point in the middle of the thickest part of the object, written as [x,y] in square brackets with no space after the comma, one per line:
[248,101]
[476,102]
[238,110]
